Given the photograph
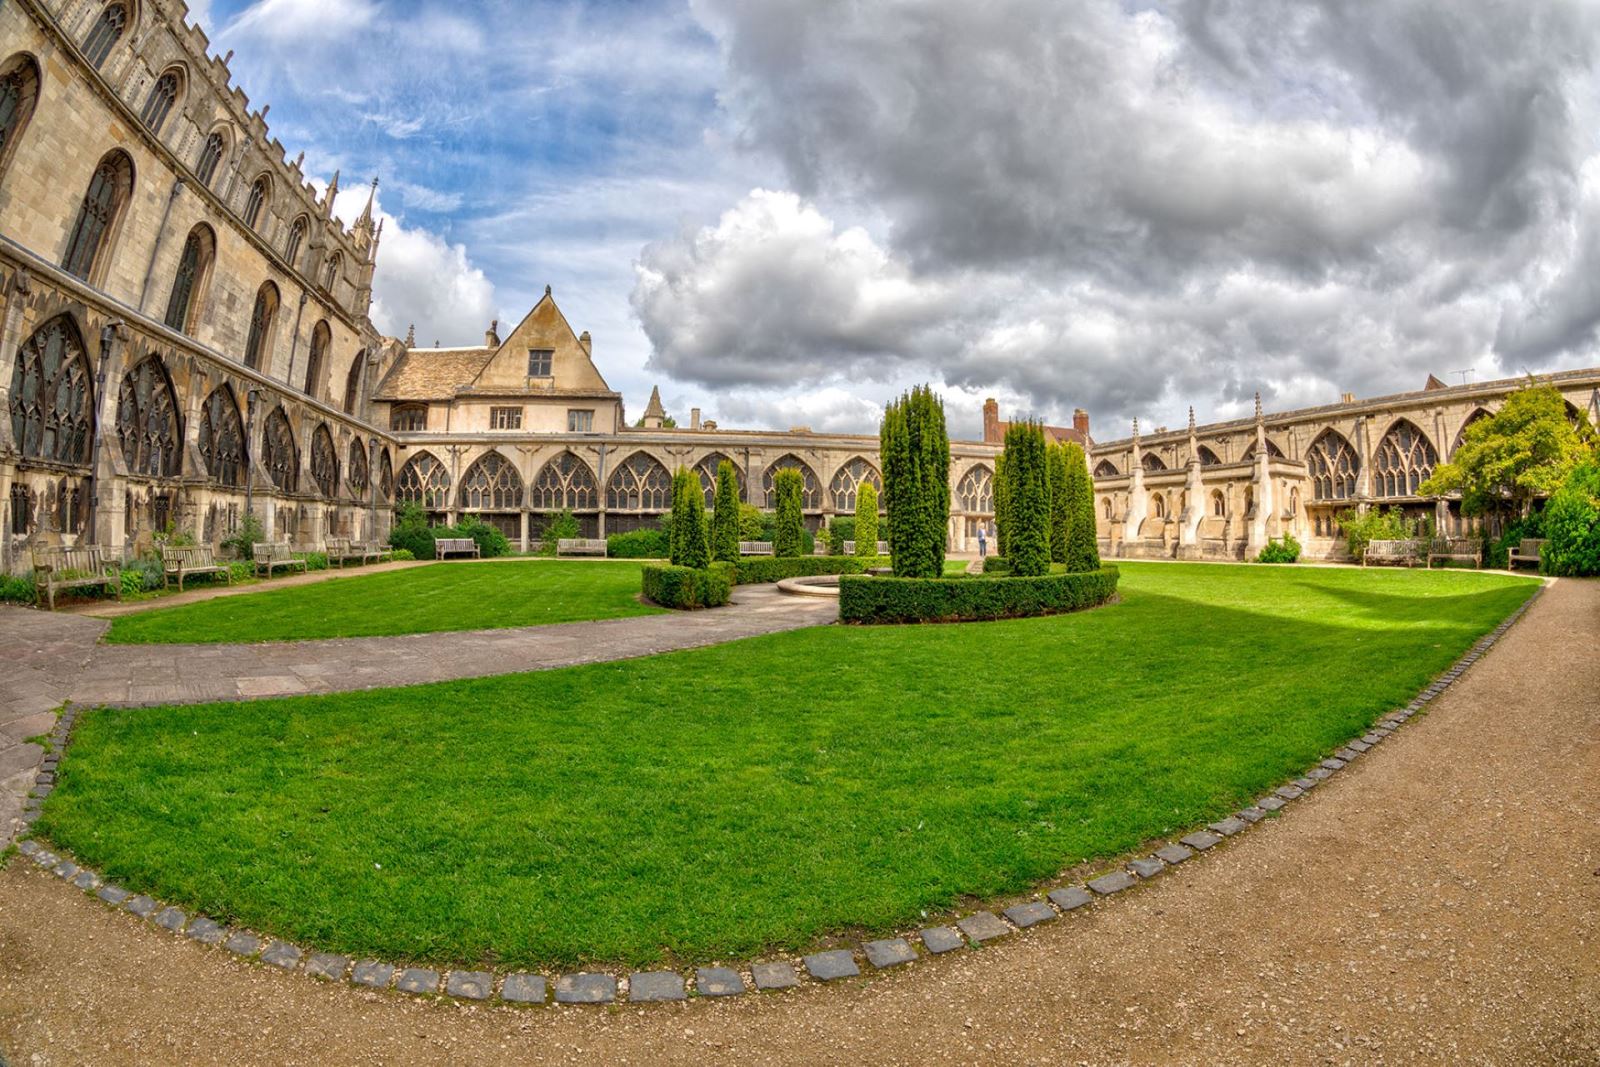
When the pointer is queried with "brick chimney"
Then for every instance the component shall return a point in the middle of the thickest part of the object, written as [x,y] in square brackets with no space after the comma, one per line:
[991,422]
[1080,422]
[694,418]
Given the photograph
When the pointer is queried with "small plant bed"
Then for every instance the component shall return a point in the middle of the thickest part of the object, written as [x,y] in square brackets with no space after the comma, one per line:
[755,796]
[901,600]
[432,599]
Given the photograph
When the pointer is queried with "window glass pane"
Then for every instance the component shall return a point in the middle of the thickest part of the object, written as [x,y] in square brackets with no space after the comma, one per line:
[539,360]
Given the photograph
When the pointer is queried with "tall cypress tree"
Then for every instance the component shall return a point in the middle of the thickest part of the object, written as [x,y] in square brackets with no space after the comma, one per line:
[1002,506]
[688,540]
[1028,545]
[866,520]
[788,533]
[1083,546]
[725,519]
[1060,515]
[915,447]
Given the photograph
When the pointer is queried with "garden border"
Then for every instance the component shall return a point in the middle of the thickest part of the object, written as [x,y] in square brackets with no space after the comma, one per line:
[1049,901]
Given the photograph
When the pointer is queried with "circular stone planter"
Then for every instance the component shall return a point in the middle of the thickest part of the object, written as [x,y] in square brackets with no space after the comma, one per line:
[818,585]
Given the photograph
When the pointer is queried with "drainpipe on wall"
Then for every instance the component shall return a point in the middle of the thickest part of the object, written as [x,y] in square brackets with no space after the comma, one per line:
[150,271]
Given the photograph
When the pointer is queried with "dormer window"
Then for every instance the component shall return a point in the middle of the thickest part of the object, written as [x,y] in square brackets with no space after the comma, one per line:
[539,362]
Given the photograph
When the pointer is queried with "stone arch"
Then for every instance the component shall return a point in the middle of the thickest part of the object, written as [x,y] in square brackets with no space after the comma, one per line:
[1152,463]
[324,462]
[1219,504]
[1273,451]
[811,496]
[1478,415]
[491,484]
[52,395]
[100,216]
[358,469]
[425,481]
[565,483]
[847,482]
[321,338]
[639,483]
[1405,458]
[706,470]
[279,454]
[192,279]
[1106,509]
[163,98]
[222,443]
[149,429]
[1334,466]
[1208,458]
[19,95]
[975,491]
[352,382]
[1106,469]
[263,321]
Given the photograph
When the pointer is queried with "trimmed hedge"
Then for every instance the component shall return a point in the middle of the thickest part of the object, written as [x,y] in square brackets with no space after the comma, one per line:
[996,565]
[687,588]
[644,543]
[754,570]
[894,600]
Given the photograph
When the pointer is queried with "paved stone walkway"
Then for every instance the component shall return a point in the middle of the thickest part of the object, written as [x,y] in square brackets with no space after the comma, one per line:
[53,658]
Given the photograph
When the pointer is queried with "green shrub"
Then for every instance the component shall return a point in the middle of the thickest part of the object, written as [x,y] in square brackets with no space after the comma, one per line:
[1083,540]
[755,570]
[1028,499]
[315,561]
[897,600]
[840,529]
[411,533]
[151,575]
[915,448]
[690,547]
[866,521]
[727,519]
[17,589]
[490,541]
[687,588]
[132,583]
[401,555]
[1379,525]
[1280,550]
[789,528]
[244,570]
[638,544]
[1572,525]
[245,539]
[1496,550]
[996,565]
[562,526]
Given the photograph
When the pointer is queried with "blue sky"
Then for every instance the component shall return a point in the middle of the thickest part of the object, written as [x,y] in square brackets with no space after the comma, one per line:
[786,212]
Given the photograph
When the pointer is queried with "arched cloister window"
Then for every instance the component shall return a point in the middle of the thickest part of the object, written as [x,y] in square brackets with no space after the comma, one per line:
[194,270]
[1152,463]
[278,452]
[975,492]
[848,481]
[640,483]
[1477,416]
[297,237]
[259,192]
[321,336]
[330,276]
[52,395]
[1219,505]
[105,33]
[147,420]
[158,105]
[19,92]
[358,468]
[491,484]
[352,382]
[1106,469]
[324,461]
[222,438]
[425,481]
[706,469]
[1273,451]
[1105,507]
[1404,460]
[385,475]
[262,318]
[1333,465]
[1208,458]
[99,215]
[810,498]
[565,483]
[211,158]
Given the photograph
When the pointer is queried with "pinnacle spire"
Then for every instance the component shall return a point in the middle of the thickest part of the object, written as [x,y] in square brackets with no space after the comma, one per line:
[1258,405]
[411,336]
[366,212]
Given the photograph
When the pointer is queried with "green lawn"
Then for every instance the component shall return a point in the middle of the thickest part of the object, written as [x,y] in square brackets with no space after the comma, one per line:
[443,596]
[722,802]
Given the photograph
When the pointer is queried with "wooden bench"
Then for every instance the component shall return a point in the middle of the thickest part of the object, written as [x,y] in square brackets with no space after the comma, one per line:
[1529,551]
[272,555]
[755,548]
[378,553]
[1407,552]
[183,561]
[74,568]
[581,546]
[1461,550]
[340,550]
[850,548]
[461,546]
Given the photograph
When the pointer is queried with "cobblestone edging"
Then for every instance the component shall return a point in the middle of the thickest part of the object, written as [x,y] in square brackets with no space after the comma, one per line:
[712,982]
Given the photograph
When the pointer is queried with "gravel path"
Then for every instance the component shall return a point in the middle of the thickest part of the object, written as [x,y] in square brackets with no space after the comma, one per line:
[1439,902]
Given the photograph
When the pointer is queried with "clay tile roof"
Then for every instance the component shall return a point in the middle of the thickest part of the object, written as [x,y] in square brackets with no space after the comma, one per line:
[432,373]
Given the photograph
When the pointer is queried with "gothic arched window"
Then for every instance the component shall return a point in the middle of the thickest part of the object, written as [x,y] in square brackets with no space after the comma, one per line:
[147,421]
[193,267]
[1404,460]
[424,480]
[105,33]
[210,158]
[848,481]
[1273,452]
[278,453]
[706,471]
[640,483]
[566,482]
[297,237]
[385,475]
[1208,458]
[1219,504]
[352,383]
[358,468]
[331,275]
[261,320]
[256,201]
[320,338]
[491,484]
[1477,416]
[222,438]
[975,493]
[1106,469]
[19,92]
[1333,465]
[158,105]
[52,400]
[98,214]
[324,462]
[810,498]
[1152,463]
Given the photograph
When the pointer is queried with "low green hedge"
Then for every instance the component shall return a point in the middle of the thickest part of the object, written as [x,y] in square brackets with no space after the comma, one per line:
[754,570]
[686,588]
[887,600]
[996,565]
[638,544]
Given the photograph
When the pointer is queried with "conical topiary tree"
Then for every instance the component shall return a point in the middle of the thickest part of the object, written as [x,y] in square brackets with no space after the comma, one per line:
[1028,507]
[1002,506]
[1056,465]
[915,448]
[689,548]
[788,533]
[725,519]
[1083,545]
[867,520]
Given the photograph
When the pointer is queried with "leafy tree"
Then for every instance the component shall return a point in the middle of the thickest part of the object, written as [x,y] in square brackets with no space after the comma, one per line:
[562,526]
[725,518]
[1521,454]
[788,533]
[1572,525]
[753,523]
[250,534]
[1360,530]
[915,448]
[688,541]
[1083,544]
[1028,507]
[1060,516]
[866,520]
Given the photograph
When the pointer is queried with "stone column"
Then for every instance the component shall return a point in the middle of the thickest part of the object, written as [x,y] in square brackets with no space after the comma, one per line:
[110,506]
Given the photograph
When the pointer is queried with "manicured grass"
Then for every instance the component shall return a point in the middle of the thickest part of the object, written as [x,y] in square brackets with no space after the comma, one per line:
[439,597]
[722,802]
